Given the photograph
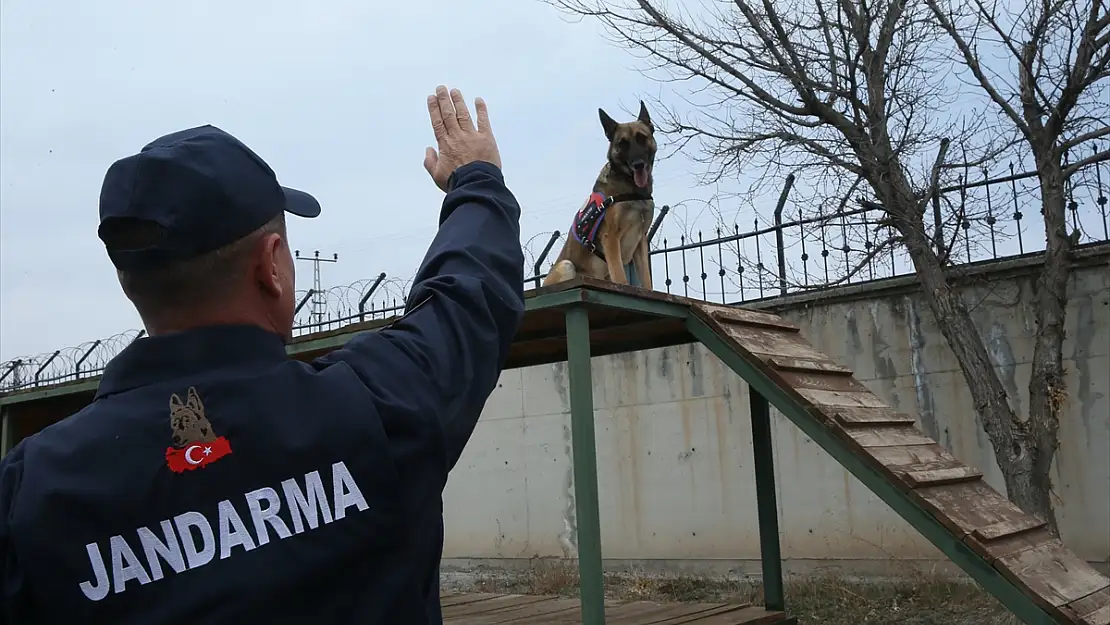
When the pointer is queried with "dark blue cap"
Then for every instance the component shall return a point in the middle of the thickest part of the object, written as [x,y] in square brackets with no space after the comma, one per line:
[201,187]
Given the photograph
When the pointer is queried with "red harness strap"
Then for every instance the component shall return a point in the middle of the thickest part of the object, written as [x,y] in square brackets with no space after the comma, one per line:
[587,223]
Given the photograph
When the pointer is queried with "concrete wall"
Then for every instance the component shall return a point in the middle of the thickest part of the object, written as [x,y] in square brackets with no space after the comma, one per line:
[674,439]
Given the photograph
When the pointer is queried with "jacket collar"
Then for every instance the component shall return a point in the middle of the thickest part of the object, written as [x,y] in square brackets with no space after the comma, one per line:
[161,358]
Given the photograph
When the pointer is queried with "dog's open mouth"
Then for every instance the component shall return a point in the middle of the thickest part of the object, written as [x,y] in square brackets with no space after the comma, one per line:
[640,174]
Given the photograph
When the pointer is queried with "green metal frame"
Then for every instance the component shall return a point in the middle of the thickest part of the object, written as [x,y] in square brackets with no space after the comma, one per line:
[763,393]
[5,432]
[584,450]
[766,503]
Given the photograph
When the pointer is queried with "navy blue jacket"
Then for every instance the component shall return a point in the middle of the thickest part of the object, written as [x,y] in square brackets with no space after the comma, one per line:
[214,480]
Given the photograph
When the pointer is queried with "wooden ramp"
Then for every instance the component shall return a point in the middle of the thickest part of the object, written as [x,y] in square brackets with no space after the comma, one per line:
[925,476]
[487,609]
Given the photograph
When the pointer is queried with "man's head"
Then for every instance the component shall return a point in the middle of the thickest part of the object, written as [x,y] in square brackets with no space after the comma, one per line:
[195,225]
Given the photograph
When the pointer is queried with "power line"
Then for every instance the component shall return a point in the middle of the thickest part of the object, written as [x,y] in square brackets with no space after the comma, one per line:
[319,301]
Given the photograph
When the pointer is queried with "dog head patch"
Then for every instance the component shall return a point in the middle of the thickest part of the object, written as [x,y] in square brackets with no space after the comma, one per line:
[631,145]
[195,444]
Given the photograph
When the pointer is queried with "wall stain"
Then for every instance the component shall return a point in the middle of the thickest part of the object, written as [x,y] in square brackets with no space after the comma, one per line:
[649,373]
[568,539]
[665,363]
[1087,393]
[697,374]
[855,345]
[687,435]
[635,447]
[1002,353]
[848,502]
[926,410]
[630,365]
[688,448]
[721,431]
[562,388]
[885,371]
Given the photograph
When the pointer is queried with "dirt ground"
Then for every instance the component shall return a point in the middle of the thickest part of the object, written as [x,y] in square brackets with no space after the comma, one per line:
[919,600]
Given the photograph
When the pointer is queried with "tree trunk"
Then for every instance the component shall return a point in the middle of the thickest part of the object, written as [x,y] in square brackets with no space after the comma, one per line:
[1047,385]
[1018,449]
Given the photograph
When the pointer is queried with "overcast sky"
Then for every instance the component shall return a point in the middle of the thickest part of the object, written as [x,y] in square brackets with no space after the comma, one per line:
[330,93]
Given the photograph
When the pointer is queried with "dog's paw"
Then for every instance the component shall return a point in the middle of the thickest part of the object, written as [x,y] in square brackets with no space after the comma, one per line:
[562,271]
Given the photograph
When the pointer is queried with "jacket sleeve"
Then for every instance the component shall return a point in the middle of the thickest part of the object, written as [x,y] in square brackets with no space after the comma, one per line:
[431,371]
[13,595]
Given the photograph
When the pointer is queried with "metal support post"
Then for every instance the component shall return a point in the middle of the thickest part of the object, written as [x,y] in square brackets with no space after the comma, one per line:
[633,277]
[766,503]
[6,431]
[584,449]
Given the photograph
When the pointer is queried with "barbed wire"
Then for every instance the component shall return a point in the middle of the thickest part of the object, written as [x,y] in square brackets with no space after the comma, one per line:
[70,363]
[799,249]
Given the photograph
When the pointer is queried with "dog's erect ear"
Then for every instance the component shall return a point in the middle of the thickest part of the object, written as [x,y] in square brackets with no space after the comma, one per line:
[194,401]
[644,117]
[607,123]
[175,402]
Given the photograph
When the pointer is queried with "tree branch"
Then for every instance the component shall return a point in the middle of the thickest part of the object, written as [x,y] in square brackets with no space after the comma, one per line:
[1089,136]
[934,179]
[972,62]
[1078,77]
[1098,157]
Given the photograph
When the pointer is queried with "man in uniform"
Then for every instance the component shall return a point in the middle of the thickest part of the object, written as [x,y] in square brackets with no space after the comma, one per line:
[213,479]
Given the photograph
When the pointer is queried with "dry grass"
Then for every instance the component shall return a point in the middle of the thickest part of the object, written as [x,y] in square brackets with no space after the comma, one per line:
[922,600]
[918,600]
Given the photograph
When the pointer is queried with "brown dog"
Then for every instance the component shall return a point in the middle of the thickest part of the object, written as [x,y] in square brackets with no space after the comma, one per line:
[612,227]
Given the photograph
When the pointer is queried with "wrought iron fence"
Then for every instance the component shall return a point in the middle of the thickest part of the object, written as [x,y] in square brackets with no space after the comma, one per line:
[796,249]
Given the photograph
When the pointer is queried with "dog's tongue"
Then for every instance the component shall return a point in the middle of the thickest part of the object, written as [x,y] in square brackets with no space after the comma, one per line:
[640,175]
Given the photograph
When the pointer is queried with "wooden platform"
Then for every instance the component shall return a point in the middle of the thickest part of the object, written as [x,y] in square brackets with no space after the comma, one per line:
[486,609]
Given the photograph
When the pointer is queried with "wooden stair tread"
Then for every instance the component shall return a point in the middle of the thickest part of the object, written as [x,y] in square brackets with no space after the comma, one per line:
[887,436]
[963,508]
[936,474]
[734,315]
[760,341]
[806,365]
[849,416]
[1006,528]
[1052,575]
[1094,609]
[822,381]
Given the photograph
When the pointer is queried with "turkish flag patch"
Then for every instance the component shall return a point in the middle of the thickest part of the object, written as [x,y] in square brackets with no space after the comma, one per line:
[196,455]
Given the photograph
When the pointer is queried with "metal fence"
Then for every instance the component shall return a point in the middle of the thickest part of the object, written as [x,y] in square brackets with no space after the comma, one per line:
[798,248]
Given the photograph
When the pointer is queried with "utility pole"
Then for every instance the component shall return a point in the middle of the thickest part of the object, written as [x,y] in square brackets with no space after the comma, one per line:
[319,300]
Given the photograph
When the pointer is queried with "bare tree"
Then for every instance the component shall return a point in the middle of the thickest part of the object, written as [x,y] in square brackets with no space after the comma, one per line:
[852,97]
[1054,92]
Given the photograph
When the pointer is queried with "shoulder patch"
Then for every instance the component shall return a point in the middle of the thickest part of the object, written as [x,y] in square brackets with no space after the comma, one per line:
[195,444]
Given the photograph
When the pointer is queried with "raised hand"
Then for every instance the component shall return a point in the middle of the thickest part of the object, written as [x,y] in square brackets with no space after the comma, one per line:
[460,142]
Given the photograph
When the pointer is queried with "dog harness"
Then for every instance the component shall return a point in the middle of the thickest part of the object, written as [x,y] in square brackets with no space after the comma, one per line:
[587,223]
